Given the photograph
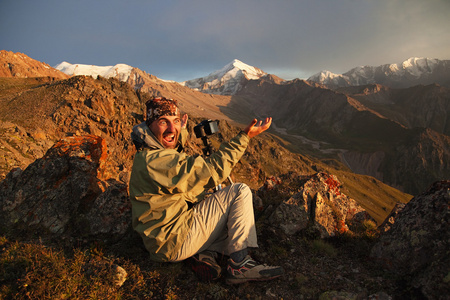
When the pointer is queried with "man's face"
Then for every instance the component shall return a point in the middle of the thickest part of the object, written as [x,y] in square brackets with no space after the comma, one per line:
[167,129]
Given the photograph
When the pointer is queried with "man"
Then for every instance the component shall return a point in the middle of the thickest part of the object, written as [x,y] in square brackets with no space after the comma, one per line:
[171,211]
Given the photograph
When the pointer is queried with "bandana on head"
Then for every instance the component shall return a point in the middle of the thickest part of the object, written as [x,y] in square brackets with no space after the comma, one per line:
[160,106]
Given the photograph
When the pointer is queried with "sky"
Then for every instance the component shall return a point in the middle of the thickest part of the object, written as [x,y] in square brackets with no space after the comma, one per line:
[186,39]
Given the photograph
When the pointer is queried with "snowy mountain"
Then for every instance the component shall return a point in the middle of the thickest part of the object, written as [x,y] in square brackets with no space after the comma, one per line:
[119,71]
[411,72]
[135,77]
[226,81]
[232,77]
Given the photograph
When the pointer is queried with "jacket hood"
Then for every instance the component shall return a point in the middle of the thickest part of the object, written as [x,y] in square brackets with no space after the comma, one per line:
[143,137]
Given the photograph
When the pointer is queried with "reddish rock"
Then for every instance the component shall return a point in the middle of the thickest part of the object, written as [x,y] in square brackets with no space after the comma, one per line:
[66,193]
[21,65]
[321,204]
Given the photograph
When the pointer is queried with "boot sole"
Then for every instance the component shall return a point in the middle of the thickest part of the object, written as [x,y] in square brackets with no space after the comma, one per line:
[204,271]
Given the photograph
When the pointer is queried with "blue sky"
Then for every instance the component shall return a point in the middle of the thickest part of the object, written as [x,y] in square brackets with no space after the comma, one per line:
[180,40]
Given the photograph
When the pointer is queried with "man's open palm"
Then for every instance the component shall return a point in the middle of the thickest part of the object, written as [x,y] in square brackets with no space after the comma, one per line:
[255,127]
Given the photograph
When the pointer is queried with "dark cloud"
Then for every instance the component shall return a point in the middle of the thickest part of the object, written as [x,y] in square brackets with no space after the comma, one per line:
[181,40]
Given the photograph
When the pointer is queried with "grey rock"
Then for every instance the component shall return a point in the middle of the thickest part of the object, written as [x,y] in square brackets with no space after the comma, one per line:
[417,246]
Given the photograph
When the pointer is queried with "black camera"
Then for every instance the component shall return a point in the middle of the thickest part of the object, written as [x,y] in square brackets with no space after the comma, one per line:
[205,128]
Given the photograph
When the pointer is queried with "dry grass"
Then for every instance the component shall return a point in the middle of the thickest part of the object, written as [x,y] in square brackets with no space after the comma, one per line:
[34,271]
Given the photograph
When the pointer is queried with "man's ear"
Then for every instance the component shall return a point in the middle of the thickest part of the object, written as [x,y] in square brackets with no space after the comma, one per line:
[184,120]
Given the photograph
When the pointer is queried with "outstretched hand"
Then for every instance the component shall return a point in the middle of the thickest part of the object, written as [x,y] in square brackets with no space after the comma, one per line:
[255,127]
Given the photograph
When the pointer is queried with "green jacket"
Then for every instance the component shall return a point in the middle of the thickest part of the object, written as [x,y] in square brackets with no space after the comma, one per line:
[164,180]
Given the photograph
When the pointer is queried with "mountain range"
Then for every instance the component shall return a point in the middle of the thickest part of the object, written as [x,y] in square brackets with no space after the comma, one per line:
[232,77]
[226,81]
[399,136]
[411,72]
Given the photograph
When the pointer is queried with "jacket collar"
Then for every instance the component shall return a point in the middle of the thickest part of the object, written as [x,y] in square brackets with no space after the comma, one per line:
[143,137]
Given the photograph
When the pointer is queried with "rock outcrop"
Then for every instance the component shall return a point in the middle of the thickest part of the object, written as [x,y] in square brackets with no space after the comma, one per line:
[68,193]
[320,204]
[73,107]
[417,246]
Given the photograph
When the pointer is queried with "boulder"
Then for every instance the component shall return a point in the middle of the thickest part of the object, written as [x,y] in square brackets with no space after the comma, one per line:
[67,193]
[320,204]
[417,245]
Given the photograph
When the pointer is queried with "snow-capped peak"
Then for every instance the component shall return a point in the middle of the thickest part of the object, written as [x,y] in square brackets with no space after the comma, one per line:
[419,65]
[120,71]
[325,74]
[326,77]
[227,80]
[235,66]
[412,71]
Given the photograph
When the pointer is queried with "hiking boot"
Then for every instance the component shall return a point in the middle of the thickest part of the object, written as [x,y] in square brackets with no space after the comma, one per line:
[250,270]
[205,266]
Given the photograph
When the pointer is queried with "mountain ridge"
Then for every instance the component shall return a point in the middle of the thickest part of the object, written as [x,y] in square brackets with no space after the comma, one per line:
[21,65]
[232,77]
[413,71]
[120,71]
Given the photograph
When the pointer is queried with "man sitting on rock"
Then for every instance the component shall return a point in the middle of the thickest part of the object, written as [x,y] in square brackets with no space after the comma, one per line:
[171,211]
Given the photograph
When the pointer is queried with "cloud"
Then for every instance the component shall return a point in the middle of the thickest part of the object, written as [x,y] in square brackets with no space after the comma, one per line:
[176,39]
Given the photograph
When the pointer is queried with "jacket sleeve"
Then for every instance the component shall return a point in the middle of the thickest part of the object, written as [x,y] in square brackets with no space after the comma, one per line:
[228,155]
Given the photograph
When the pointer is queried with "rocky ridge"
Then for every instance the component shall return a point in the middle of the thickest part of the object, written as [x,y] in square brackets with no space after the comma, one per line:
[21,65]
[68,108]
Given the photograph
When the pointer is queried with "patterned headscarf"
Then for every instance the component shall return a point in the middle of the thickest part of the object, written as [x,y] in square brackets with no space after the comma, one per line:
[160,106]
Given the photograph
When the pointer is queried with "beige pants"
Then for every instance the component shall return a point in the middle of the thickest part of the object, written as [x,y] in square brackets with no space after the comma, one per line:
[223,222]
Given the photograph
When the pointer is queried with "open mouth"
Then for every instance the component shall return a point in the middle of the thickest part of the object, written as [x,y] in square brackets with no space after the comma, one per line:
[169,138]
